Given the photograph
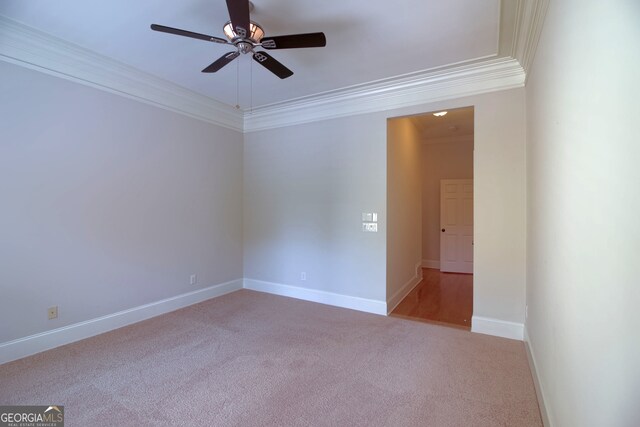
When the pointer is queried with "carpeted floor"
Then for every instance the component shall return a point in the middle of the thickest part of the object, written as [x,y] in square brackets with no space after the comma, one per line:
[253,359]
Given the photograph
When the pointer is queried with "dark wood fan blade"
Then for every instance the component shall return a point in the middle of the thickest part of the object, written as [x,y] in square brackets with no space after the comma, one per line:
[294,41]
[221,62]
[239,15]
[268,62]
[179,32]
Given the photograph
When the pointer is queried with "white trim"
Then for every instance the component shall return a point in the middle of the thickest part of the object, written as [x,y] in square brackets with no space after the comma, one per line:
[536,380]
[393,302]
[530,19]
[314,295]
[431,263]
[31,48]
[33,344]
[429,86]
[498,328]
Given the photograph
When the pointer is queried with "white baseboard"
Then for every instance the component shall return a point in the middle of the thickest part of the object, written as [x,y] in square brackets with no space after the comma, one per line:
[393,302]
[498,328]
[431,263]
[22,347]
[314,295]
[536,380]
[33,344]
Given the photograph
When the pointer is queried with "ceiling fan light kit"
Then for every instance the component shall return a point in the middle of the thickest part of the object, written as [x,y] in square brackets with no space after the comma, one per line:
[246,35]
[244,44]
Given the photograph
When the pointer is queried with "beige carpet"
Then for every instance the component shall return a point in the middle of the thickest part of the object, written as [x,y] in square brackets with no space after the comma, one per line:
[252,359]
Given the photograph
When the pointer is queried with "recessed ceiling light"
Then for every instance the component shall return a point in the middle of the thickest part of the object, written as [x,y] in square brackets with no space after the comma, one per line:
[440,114]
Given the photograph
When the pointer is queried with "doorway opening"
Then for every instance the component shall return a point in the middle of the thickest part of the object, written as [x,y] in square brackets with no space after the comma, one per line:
[430,217]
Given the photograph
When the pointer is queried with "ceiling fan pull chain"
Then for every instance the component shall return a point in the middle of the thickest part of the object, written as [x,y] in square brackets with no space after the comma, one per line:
[237,85]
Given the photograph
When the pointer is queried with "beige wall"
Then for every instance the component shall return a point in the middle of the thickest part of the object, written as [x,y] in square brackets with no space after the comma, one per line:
[306,186]
[404,207]
[583,247]
[305,189]
[447,159]
[499,208]
[108,203]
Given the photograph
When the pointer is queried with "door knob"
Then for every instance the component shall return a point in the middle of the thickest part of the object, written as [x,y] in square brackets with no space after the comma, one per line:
[443,230]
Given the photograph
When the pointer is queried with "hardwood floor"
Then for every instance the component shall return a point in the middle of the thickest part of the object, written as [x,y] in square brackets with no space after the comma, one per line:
[444,298]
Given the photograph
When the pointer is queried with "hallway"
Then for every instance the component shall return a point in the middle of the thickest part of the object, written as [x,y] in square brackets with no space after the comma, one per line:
[443,298]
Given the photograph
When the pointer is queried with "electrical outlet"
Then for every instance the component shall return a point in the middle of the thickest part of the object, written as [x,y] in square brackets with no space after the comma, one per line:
[193,279]
[303,276]
[53,312]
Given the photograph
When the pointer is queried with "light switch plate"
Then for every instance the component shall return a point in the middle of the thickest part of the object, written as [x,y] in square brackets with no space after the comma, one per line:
[370,227]
[367,216]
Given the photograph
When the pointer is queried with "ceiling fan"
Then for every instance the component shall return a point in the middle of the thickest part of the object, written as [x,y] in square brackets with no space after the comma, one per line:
[247,35]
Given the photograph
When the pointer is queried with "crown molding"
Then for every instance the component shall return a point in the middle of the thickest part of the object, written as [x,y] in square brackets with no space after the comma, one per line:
[430,86]
[28,47]
[529,22]
[34,49]
[520,27]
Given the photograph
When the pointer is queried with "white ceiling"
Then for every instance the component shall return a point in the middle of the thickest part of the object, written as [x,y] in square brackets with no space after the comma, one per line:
[366,40]
[457,123]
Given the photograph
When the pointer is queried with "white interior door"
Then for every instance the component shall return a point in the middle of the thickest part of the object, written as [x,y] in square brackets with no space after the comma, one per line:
[456,223]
